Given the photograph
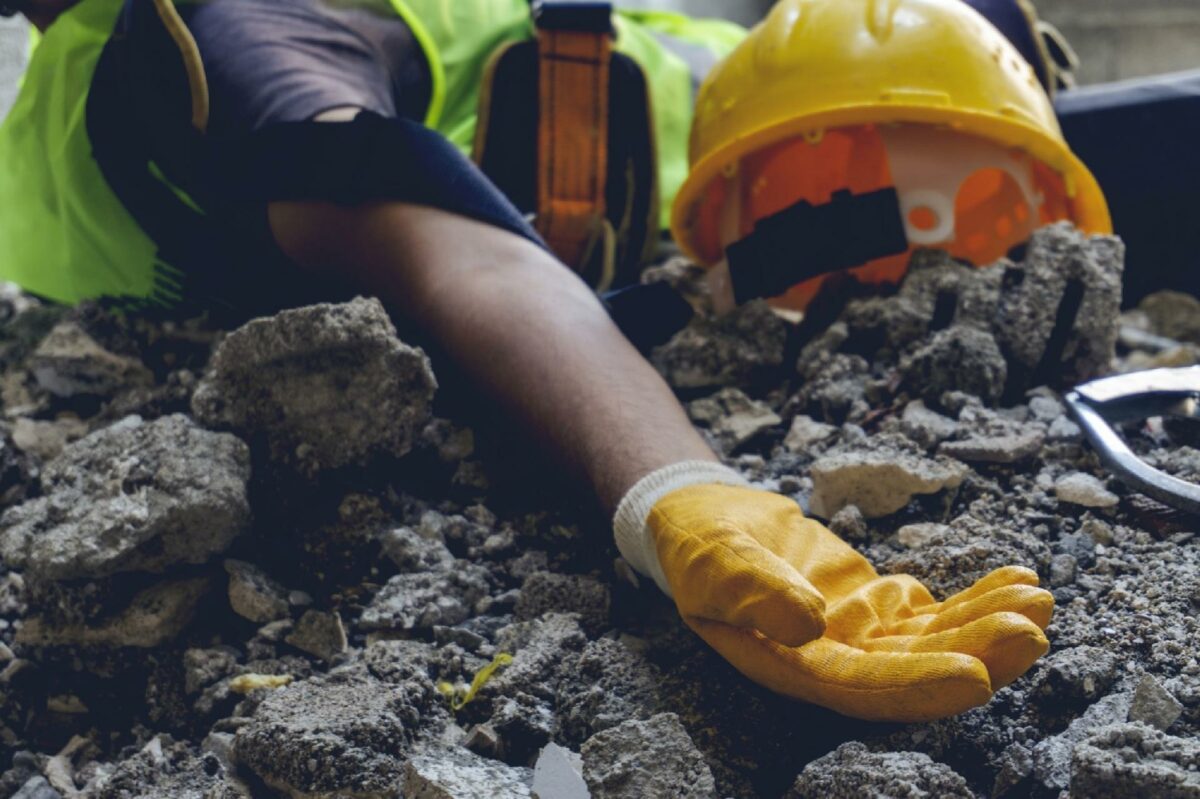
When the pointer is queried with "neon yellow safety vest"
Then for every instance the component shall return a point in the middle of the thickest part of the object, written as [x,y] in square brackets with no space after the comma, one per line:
[66,236]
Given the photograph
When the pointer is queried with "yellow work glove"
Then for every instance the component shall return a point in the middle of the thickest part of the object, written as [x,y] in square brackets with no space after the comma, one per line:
[796,609]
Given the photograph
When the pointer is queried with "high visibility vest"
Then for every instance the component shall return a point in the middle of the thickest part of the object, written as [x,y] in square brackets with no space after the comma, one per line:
[66,236]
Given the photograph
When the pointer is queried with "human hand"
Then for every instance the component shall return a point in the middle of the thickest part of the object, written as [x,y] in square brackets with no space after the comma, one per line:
[752,575]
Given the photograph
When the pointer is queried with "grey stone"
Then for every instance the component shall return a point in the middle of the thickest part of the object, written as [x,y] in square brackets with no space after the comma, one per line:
[1078,673]
[915,536]
[850,524]
[834,387]
[1132,761]
[1173,315]
[523,724]
[608,683]
[422,600]
[732,417]
[46,439]
[253,595]
[1057,258]
[806,433]
[457,773]
[927,428]
[1154,705]
[853,771]
[1046,409]
[558,774]
[203,667]
[1009,447]
[545,591]
[412,552]
[324,386]
[959,358]
[540,648]
[70,363]
[1063,429]
[136,496]
[319,634]
[880,477]
[1083,489]
[167,768]
[1052,756]
[725,350]
[344,735]
[952,558]
[638,759]
[37,788]
[156,616]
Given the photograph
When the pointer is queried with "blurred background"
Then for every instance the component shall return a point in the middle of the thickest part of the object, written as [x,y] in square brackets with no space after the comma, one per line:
[1115,38]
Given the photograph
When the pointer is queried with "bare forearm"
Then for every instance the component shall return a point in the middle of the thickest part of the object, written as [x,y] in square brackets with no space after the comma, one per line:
[518,322]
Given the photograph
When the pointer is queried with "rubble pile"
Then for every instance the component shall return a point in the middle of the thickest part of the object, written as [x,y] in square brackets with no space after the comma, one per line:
[270,562]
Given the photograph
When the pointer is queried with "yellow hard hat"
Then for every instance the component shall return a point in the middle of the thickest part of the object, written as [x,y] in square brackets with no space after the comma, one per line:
[813,66]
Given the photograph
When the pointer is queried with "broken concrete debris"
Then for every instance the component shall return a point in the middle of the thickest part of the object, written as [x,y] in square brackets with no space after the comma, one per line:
[724,351]
[300,654]
[655,757]
[732,418]
[1131,761]
[880,477]
[323,387]
[158,494]
[1084,489]
[1153,705]
[853,771]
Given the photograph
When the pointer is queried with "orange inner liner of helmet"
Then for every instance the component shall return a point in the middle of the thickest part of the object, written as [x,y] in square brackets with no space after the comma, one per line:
[990,209]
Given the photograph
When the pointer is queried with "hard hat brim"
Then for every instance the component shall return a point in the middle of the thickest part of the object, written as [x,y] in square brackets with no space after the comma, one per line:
[1089,208]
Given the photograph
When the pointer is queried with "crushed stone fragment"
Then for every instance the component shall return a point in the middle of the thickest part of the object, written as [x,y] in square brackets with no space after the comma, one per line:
[136,496]
[253,594]
[1083,489]
[805,433]
[322,387]
[70,363]
[1006,448]
[320,634]
[458,773]
[637,759]
[732,417]
[1154,705]
[723,351]
[1134,761]
[853,771]
[880,476]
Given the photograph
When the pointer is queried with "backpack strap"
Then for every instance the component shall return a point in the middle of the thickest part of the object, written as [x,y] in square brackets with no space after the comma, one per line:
[574,59]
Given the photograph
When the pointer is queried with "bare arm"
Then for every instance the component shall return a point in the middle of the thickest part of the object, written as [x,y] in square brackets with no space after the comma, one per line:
[517,321]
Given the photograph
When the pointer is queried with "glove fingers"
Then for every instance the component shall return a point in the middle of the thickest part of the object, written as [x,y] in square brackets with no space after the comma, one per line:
[733,580]
[1033,603]
[1007,643]
[878,686]
[999,578]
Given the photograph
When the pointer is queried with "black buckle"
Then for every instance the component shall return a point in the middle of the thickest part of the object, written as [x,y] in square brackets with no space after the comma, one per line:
[585,16]
[806,241]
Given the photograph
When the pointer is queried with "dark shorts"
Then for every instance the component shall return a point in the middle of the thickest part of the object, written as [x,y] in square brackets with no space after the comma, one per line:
[271,67]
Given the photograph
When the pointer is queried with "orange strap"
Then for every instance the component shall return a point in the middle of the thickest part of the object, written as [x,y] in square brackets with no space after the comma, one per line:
[573,81]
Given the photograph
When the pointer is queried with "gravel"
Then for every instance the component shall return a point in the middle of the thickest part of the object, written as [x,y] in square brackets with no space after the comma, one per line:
[339,619]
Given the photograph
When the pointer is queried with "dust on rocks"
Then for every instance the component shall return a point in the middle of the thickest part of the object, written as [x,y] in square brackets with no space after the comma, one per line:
[267,562]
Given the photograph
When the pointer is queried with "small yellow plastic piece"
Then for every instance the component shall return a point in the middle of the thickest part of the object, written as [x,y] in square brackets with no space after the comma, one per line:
[458,696]
[245,683]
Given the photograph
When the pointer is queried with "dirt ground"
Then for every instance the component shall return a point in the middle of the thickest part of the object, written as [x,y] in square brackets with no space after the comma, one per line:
[273,561]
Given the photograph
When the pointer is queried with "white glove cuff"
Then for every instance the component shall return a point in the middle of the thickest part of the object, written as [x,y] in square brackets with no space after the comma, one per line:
[634,539]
